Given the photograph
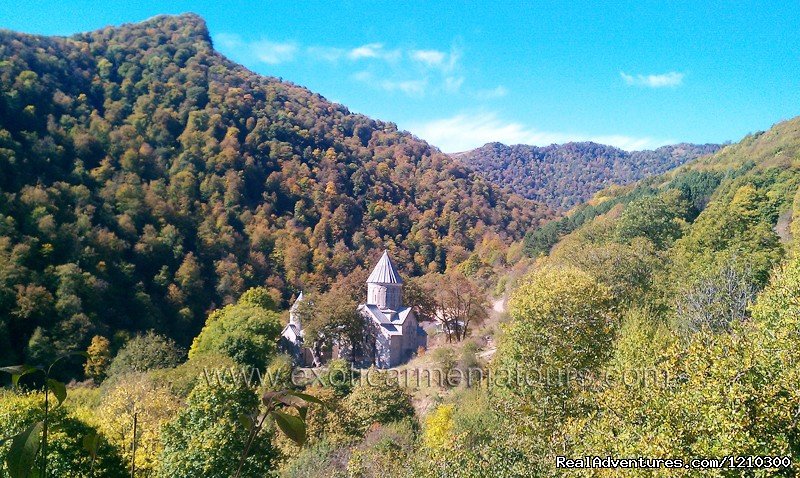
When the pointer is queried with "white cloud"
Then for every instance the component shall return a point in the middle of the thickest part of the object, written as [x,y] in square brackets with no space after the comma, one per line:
[412,72]
[373,51]
[326,53]
[228,40]
[467,131]
[261,51]
[409,87]
[429,57]
[664,80]
[363,76]
[497,92]
[452,84]
[416,87]
[272,52]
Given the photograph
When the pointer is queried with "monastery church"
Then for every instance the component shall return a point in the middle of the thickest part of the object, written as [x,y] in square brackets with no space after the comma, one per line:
[397,333]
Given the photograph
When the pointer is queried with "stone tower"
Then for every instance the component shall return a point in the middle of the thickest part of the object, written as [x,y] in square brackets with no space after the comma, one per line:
[384,285]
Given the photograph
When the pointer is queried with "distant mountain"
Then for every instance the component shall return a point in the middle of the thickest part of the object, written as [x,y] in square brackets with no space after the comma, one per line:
[565,175]
[145,178]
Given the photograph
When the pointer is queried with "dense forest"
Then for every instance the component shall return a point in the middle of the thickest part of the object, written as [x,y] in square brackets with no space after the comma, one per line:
[674,303]
[160,205]
[565,175]
[146,180]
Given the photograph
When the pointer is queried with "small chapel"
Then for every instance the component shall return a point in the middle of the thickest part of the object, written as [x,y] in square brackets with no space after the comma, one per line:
[397,334]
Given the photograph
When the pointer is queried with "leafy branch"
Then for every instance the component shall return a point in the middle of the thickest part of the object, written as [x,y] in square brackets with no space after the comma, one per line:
[26,446]
[293,426]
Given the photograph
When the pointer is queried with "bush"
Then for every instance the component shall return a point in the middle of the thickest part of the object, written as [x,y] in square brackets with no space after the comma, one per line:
[66,455]
[466,438]
[278,375]
[320,460]
[376,399]
[207,437]
[146,352]
[339,376]
[183,378]
[334,422]
[444,358]
[385,452]
[152,403]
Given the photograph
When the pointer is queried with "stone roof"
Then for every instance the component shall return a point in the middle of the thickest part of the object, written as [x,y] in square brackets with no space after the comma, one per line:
[293,328]
[391,322]
[297,301]
[385,272]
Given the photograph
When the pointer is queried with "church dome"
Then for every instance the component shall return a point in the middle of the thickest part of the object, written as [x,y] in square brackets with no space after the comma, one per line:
[384,272]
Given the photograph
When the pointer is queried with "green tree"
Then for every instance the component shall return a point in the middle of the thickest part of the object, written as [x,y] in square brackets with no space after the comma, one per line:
[146,352]
[66,454]
[208,436]
[247,332]
[561,317]
[715,394]
[660,218]
[561,332]
[333,318]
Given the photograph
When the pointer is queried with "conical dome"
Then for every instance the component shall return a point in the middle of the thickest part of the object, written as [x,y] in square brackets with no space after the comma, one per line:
[384,272]
[297,301]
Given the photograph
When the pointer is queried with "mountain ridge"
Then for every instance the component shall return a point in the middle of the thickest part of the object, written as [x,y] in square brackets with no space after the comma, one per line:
[147,179]
[565,175]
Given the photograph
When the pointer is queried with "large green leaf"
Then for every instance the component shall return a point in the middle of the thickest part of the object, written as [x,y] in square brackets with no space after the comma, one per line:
[58,389]
[18,371]
[306,397]
[91,442]
[292,426]
[247,421]
[21,457]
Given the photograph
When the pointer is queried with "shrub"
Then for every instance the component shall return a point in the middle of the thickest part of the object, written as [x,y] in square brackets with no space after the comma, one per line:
[208,436]
[66,455]
[151,402]
[376,399]
[320,460]
[146,352]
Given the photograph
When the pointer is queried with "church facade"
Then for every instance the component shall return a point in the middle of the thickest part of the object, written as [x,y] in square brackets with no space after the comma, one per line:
[398,334]
[292,336]
[394,332]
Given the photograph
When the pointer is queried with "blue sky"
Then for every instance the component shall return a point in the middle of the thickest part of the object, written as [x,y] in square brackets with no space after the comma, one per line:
[634,74]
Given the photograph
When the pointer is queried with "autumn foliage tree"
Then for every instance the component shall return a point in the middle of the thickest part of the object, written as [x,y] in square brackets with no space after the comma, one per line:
[455,302]
[137,397]
[98,358]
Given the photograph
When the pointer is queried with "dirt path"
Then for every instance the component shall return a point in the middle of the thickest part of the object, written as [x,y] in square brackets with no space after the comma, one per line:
[499,305]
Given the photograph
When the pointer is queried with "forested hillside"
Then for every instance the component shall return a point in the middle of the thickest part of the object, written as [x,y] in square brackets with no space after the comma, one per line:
[565,175]
[146,179]
[660,320]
